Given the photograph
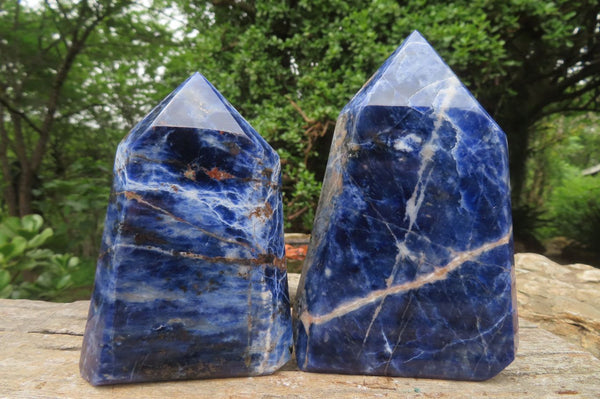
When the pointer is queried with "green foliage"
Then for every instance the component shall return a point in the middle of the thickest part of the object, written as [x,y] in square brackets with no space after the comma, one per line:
[306,191]
[74,77]
[27,270]
[575,211]
[557,194]
[288,67]
[75,205]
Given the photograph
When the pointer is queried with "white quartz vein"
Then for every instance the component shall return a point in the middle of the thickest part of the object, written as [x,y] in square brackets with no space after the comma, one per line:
[413,205]
[414,202]
[439,274]
[400,333]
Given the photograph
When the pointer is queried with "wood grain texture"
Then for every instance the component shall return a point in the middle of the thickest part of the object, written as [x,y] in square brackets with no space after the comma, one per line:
[563,299]
[39,357]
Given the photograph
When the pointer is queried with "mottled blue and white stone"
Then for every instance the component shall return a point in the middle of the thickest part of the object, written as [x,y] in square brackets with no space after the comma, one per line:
[191,281]
[410,268]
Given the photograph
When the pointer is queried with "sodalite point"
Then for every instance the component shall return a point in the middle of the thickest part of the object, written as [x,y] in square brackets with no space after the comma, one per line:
[191,281]
[410,267]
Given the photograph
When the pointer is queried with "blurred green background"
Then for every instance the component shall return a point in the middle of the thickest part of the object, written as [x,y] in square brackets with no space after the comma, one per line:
[75,77]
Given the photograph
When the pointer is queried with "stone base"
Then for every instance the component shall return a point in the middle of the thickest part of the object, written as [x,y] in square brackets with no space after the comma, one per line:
[563,299]
[41,342]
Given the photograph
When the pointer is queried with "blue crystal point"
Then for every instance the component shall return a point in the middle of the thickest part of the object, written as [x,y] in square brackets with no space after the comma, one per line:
[191,279]
[410,267]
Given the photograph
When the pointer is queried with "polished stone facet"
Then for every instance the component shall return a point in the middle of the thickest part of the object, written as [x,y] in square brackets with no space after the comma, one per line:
[191,280]
[410,267]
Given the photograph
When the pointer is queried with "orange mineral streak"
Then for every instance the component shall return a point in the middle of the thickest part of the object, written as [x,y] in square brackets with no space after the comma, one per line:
[190,173]
[296,253]
[217,174]
[130,195]
[263,213]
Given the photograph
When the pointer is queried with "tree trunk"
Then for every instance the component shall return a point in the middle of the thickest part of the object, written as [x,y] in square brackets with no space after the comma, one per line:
[25,177]
[25,196]
[516,122]
[10,195]
[518,141]
[18,196]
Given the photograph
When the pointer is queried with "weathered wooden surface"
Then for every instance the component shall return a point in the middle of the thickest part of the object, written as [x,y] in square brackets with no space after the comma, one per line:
[40,343]
[563,299]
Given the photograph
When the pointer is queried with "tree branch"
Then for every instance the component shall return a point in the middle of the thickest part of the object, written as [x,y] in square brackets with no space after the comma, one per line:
[592,69]
[21,114]
[242,5]
[76,46]
[75,112]
[300,111]
[569,109]
[556,94]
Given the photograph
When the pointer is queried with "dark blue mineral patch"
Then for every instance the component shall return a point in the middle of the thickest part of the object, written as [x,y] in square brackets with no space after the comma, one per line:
[191,281]
[410,268]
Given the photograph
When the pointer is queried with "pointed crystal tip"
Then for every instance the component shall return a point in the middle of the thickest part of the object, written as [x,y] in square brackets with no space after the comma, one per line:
[414,75]
[416,37]
[196,104]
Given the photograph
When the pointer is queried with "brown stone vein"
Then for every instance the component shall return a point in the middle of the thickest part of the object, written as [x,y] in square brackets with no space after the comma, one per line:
[130,195]
[262,259]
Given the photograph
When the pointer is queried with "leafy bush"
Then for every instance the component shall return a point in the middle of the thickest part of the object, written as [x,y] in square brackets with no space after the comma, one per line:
[26,269]
[575,211]
[75,206]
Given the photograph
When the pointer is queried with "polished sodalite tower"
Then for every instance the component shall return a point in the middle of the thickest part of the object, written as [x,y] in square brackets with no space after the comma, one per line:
[191,281]
[410,268]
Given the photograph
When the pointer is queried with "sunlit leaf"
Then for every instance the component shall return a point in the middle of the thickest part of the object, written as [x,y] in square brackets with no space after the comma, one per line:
[32,223]
[63,282]
[40,238]
[13,249]
[4,278]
